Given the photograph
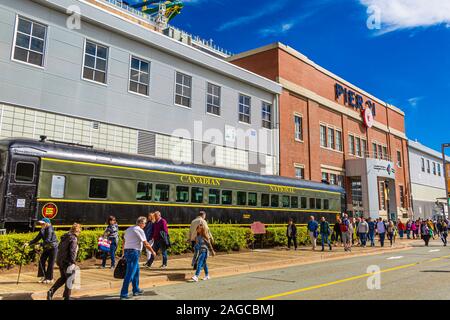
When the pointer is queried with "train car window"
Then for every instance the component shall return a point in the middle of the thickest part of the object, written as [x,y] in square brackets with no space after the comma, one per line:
[182,194]
[312,203]
[144,191]
[286,200]
[214,196]
[227,197]
[197,195]
[326,204]
[275,201]
[58,186]
[265,200]
[241,198]
[319,204]
[162,192]
[24,172]
[98,188]
[252,199]
[304,203]
[294,202]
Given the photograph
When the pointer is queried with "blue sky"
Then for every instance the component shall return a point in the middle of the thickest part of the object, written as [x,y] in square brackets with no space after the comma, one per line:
[403,58]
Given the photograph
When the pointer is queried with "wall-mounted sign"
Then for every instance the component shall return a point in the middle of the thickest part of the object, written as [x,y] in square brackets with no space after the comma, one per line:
[354,100]
[368,118]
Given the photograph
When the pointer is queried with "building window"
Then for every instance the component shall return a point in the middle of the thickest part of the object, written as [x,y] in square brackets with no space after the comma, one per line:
[358,147]
[213,99]
[183,90]
[267,115]
[244,108]
[30,42]
[428,166]
[331,144]
[300,172]
[434,168]
[423,165]
[333,179]
[375,152]
[339,146]
[385,154]
[351,142]
[399,159]
[380,152]
[439,170]
[364,148]
[323,136]
[139,76]
[324,177]
[298,128]
[382,195]
[340,180]
[402,196]
[357,193]
[95,62]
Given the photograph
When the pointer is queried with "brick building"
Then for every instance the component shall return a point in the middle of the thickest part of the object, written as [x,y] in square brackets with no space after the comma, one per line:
[332,130]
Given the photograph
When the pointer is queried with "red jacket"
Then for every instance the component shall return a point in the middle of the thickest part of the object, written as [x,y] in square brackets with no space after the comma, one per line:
[401,226]
[159,226]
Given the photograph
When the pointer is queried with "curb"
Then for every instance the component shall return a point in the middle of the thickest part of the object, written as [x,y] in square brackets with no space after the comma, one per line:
[113,286]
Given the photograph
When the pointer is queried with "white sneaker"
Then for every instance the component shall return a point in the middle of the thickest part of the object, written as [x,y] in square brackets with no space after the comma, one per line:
[48,281]
[163,267]
[194,279]
[206,278]
[42,280]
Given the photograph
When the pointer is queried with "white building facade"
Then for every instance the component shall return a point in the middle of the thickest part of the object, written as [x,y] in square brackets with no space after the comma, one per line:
[110,81]
[428,190]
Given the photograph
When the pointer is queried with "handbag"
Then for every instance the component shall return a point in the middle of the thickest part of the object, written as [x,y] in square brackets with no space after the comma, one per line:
[121,269]
[104,244]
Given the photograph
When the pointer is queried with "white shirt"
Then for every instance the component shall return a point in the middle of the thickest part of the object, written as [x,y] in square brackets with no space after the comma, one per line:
[134,238]
[381,227]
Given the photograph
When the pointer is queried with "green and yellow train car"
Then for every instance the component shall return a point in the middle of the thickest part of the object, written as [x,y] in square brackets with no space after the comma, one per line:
[69,183]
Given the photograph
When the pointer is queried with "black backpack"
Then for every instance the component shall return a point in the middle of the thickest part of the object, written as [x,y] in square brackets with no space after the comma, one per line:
[121,269]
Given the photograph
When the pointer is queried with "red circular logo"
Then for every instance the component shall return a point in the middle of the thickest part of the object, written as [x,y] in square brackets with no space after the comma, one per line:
[49,210]
[368,118]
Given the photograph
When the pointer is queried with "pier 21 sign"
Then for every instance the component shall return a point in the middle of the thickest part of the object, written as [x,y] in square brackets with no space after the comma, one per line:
[356,101]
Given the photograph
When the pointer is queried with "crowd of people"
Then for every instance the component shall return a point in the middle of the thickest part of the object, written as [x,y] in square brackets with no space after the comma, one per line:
[152,234]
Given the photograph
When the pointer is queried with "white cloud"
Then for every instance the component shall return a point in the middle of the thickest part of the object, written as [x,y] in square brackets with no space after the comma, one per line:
[407,14]
[414,102]
[277,29]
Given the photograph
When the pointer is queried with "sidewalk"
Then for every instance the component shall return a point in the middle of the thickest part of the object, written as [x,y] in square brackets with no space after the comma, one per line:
[96,281]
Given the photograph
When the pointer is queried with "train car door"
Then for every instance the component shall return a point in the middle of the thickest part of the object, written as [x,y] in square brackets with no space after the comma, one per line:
[20,204]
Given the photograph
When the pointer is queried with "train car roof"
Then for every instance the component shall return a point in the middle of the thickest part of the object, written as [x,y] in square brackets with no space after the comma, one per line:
[59,150]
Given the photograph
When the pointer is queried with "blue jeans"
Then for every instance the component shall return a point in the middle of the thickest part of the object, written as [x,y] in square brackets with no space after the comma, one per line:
[363,238]
[371,236]
[400,233]
[325,238]
[382,238]
[112,251]
[156,246]
[132,274]
[202,264]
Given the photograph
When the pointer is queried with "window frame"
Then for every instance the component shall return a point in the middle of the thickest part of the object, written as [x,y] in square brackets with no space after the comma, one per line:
[188,193]
[264,112]
[139,83]
[208,83]
[184,74]
[154,193]
[147,183]
[45,49]
[298,134]
[219,197]
[107,188]
[97,43]
[24,182]
[249,109]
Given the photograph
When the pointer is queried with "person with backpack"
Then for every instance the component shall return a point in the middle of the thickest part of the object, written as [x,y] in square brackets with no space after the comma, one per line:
[381,230]
[160,240]
[203,247]
[337,232]
[66,260]
[325,233]
[363,230]
[313,229]
[112,234]
[291,234]
[346,232]
[49,250]
[426,233]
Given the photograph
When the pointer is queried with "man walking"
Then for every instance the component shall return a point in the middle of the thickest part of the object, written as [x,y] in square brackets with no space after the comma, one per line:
[371,234]
[325,233]
[363,230]
[313,227]
[381,230]
[134,239]
[160,238]
[346,233]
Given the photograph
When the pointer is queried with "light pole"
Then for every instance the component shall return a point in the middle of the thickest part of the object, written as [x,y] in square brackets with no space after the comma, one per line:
[444,159]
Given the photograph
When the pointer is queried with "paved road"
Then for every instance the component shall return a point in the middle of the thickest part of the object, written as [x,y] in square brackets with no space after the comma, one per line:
[419,273]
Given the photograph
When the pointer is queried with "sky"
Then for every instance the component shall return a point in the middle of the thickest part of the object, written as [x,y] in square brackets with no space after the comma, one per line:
[397,50]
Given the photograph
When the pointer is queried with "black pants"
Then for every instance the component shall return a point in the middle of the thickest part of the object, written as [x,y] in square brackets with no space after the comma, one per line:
[290,240]
[337,236]
[426,238]
[47,263]
[444,236]
[61,282]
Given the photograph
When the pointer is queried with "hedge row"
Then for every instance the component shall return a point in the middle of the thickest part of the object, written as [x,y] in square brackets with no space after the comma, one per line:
[226,239]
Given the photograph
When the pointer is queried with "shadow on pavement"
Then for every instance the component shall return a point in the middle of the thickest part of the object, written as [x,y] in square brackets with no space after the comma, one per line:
[17,296]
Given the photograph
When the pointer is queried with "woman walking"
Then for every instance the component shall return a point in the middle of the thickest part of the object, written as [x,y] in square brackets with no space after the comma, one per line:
[408,229]
[203,248]
[50,249]
[337,232]
[401,229]
[112,234]
[426,233]
[291,234]
[391,232]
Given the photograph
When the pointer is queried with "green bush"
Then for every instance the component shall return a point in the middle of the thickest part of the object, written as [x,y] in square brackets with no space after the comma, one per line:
[276,237]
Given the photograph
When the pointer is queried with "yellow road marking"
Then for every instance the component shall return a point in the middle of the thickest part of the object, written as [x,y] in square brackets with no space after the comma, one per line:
[284,294]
